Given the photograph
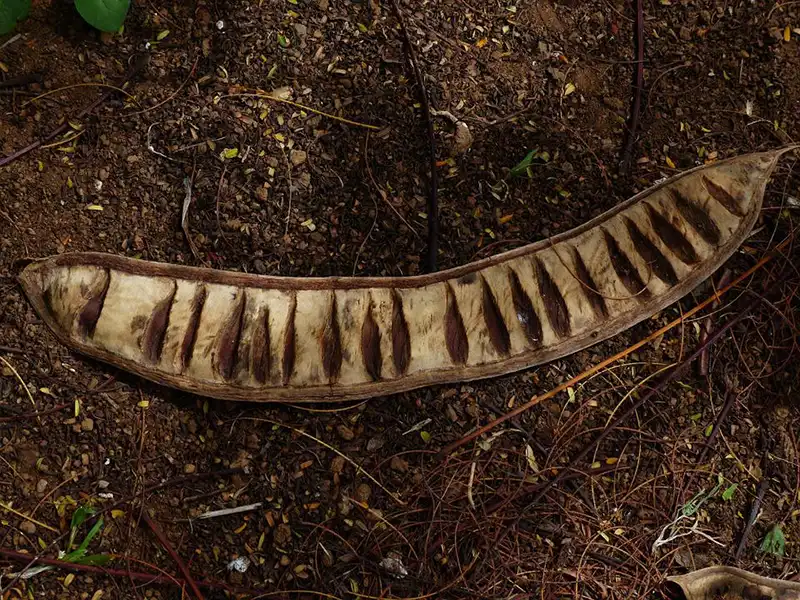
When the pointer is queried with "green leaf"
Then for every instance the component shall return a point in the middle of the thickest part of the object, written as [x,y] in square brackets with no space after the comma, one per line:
[729,492]
[78,517]
[94,559]
[774,542]
[12,11]
[105,15]
[92,532]
[282,40]
[426,437]
[523,165]
[229,153]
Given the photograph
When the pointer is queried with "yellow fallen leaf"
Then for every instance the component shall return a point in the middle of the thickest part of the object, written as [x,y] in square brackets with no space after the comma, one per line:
[787,34]
[93,207]
[240,529]
[481,42]
[116,513]
[568,89]
[670,164]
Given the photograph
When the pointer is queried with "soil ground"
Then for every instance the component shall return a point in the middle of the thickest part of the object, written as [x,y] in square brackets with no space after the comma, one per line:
[355,501]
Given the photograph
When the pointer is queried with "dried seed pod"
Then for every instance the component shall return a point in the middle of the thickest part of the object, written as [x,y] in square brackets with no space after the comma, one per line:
[713,582]
[256,338]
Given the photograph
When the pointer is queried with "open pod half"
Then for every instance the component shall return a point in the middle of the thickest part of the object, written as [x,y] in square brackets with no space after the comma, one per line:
[713,583]
[257,338]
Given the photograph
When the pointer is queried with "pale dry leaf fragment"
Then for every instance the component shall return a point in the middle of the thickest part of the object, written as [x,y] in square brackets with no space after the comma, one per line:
[462,140]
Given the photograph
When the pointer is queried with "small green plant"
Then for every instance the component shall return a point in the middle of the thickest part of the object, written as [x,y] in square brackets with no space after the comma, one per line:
[78,555]
[524,166]
[12,11]
[774,542]
[105,15]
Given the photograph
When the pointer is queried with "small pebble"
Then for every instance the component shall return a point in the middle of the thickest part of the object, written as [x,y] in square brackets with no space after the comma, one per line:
[345,432]
[399,464]
[189,469]
[298,157]
[27,527]
[87,425]
[363,493]
[41,486]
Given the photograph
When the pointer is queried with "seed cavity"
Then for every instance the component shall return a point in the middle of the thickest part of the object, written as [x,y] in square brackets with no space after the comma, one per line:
[90,314]
[289,342]
[153,338]
[260,355]
[401,340]
[724,197]
[672,237]
[662,268]
[455,333]
[526,314]
[699,219]
[332,344]
[625,269]
[231,335]
[588,286]
[495,325]
[554,303]
[371,344]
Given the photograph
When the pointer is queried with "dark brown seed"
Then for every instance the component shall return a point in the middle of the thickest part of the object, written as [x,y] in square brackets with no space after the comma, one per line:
[590,289]
[289,341]
[371,344]
[87,320]
[228,345]
[698,218]
[554,304]
[401,340]
[625,270]
[651,254]
[190,337]
[723,196]
[672,237]
[332,344]
[153,337]
[526,314]
[455,334]
[260,348]
[495,325]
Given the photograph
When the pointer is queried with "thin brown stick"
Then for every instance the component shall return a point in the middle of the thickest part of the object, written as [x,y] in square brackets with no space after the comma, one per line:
[638,88]
[174,555]
[149,578]
[762,490]
[730,397]
[139,65]
[702,364]
[34,415]
[11,350]
[433,200]
[171,96]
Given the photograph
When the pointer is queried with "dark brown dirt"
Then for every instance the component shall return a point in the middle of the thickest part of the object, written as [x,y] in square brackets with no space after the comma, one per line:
[721,80]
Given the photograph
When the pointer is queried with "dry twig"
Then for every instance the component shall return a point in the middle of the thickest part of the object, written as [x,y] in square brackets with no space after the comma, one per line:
[433,201]
[162,539]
